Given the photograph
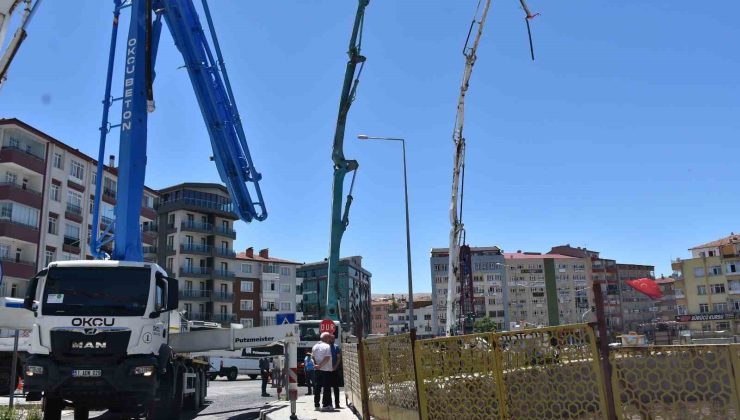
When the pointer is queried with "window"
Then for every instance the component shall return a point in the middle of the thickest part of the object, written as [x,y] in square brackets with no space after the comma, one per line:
[77,170]
[715,270]
[54,192]
[284,271]
[58,161]
[109,187]
[246,286]
[734,286]
[717,289]
[72,231]
[723,326]
[11,178]
[719,307]
[246,268]
[699,272]
[247,322]
[246,305]
[285,288]
[733,267]
[48,257]
[53,225]
[74,198]
[736,305]
[703,308]
[681,310]
[170,262]
[285,307]
[701,290]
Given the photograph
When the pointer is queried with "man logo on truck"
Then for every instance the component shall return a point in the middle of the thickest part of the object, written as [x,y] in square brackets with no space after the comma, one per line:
[93,322]
[89,345]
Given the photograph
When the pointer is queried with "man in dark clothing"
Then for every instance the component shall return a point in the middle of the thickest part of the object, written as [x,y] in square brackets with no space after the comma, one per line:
[336,361]
[265,372]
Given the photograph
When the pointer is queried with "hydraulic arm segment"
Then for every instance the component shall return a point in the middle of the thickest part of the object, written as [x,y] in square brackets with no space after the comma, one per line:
[7,7]
[457,232]
[342,166]
[218,107]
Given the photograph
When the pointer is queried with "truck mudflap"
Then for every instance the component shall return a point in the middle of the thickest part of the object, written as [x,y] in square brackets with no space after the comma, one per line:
[93,384]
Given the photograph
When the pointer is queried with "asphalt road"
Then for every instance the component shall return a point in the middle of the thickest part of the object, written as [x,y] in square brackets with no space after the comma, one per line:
[237,400]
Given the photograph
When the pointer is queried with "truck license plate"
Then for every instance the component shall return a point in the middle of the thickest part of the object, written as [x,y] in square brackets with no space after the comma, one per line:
[86,373]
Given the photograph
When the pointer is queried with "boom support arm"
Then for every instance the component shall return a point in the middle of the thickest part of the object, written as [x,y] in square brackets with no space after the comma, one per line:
[216,100]
[342,166]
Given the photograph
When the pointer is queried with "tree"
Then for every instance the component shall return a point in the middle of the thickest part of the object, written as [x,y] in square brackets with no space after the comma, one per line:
[483,325]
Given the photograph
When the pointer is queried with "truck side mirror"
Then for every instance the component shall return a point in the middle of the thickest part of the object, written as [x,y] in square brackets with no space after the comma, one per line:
[173,297]
[31,293]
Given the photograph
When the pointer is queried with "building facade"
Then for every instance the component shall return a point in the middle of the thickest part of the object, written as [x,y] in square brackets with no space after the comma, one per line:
[489,279]
[354,290]
[46,198]
[268,287]
[380,314]
[637,308]
[666,311]
[547,289]
[707,286]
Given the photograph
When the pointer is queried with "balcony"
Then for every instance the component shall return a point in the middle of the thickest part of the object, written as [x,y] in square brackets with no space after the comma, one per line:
[170,250]
[18,268]
[150,250]
[220,296]
[20,194]
[73,212]
[270,276]
[17,230]
[223,275]
[171,228]
[196,227]
[198,205]
[224,252]
[150,228]
[199,272]
[228,232]
[198,316]
[109,195]
[200,249]
[223,318]
[71,244]
[192,294]
[23,158]
[106,221]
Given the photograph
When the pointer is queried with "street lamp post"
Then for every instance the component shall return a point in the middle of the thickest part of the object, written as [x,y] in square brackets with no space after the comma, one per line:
[408,235]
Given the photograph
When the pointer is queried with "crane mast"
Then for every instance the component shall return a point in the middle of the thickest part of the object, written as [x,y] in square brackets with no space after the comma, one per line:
[457,230]
[342,166]
[455,275]
[212,89]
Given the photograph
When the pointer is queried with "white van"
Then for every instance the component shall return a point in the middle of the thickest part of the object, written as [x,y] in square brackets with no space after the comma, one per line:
[229,364]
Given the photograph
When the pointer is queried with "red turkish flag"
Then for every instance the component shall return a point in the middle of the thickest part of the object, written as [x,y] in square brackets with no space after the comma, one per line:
[647,287]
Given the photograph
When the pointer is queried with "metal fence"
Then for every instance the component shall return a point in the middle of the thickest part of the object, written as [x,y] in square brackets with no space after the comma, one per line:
[544,373]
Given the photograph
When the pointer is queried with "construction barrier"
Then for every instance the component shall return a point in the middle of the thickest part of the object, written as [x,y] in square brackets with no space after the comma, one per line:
[543,373]
[389,377]
[671,382]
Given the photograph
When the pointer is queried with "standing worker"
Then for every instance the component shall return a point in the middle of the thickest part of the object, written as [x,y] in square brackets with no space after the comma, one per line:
[308,372]
[321,353]
[336,372]
[264,371]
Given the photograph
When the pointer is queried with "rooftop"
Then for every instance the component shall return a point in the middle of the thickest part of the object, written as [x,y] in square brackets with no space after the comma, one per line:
[472,248]
[733,238]
[534,256]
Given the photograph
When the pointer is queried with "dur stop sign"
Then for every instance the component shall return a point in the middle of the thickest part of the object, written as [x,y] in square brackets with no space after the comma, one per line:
[327,325]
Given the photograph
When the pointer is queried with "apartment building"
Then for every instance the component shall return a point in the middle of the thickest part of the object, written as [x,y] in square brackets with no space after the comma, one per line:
[267,286]
[354,292]
[46,198]
[399,320]
[666,306]
[489,280]
[547,289]
[380,311]
[637,308]
[707,286]
[196,230]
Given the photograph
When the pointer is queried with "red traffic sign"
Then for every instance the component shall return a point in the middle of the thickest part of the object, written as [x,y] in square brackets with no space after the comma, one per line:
[327,325]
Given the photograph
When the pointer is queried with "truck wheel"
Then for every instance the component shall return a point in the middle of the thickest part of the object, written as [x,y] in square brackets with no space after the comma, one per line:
[82,413]
[233,372]
[177,399]
[52,408]
[252,377]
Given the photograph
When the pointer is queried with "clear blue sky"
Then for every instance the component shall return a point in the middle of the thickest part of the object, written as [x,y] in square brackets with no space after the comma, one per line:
[622,136]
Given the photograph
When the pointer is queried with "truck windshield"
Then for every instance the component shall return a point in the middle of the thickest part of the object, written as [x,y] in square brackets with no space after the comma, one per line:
[87,291]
